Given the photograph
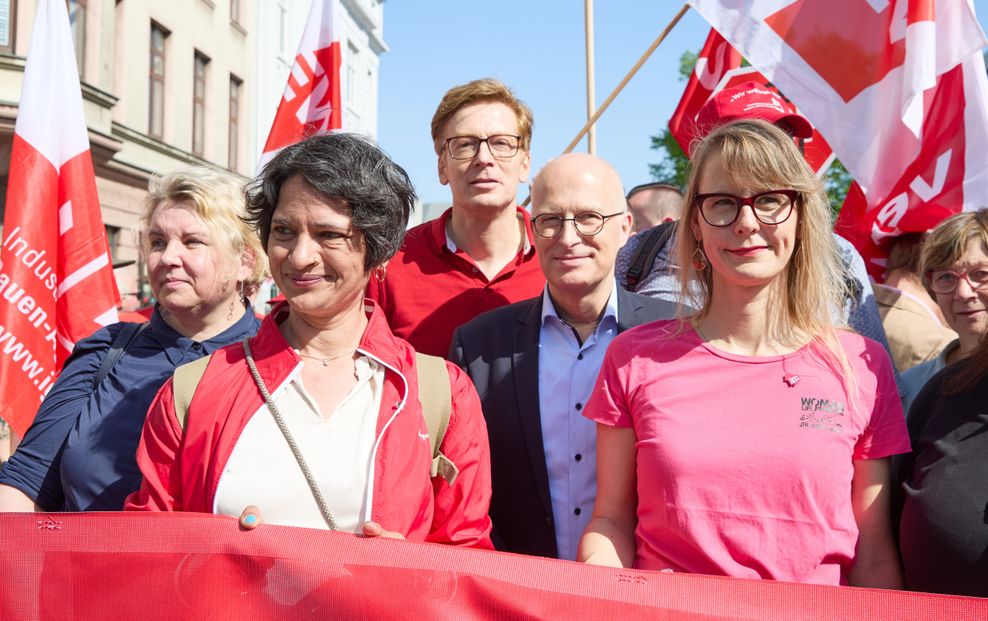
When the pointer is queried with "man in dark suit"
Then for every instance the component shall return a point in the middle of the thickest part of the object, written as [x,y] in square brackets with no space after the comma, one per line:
[535,362]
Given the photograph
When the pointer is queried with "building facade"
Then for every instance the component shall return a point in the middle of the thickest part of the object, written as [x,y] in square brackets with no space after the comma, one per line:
[171,83]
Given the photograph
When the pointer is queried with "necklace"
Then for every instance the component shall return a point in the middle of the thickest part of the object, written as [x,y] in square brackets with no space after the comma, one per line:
[325,361]
[790,379]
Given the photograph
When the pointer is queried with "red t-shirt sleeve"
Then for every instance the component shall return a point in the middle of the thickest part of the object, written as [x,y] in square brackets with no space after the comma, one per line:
[609,402]
[885,433]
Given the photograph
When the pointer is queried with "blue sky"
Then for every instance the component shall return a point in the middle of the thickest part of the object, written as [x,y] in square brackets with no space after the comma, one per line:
[536,48]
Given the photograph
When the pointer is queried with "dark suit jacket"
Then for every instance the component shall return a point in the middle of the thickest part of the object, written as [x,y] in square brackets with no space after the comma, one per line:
[500,351]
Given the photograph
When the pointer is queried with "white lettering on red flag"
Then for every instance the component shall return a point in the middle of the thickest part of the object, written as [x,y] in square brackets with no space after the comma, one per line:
[719,66]
[895,87]
[311,102]
[56,278]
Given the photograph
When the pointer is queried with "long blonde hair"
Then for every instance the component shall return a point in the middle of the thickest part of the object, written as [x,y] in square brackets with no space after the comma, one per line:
[758,154]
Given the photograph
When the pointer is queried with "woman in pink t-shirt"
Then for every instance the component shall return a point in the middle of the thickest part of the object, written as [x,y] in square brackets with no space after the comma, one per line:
[752,438]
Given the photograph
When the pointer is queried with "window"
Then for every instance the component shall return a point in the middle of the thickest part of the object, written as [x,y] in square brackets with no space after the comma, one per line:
[77,23]
[113,240]
[8,17]
[282,29]
[156,91]
[236,85]
[199,104]
[353,62]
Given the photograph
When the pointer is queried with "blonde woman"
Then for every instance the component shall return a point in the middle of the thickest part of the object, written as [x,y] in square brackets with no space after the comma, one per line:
[750,439]
[202,263]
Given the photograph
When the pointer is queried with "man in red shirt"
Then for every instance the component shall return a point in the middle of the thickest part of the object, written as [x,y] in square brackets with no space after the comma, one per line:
[479,254]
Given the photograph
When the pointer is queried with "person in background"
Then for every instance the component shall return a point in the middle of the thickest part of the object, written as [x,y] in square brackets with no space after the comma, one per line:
[957,244]
[534,362]
[317,421]
[941,510]
[750,438]
[911,319]
[652,204]
[479,254]
[203,262]
[753,101]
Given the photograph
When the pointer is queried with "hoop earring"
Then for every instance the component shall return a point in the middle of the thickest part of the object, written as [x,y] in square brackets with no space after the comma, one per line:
[380,273]
[699,259]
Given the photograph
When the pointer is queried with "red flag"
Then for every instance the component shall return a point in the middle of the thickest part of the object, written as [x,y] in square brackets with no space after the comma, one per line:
[56,278]
[718,67]
[311,103]
[899,89]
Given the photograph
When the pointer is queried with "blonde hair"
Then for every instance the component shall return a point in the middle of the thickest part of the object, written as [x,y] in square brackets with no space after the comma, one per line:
[760,155]
[485,90]
[217,198]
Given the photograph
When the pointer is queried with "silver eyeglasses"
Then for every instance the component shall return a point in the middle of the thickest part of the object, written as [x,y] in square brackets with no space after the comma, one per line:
[587,223]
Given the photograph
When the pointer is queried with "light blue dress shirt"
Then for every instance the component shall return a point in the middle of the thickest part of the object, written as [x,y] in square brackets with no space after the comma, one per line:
[567,373]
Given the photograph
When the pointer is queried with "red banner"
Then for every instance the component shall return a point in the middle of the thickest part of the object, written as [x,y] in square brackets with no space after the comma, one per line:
[56,278]
[311,103]
[192,566]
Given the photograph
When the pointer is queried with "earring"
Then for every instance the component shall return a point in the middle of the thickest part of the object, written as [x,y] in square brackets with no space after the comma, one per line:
[229,316]
[380,273]
[243,287]
[699,259]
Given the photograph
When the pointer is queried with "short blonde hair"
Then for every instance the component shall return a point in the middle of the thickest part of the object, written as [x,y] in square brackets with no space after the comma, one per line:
[218,199]
[758,154]
[485,90]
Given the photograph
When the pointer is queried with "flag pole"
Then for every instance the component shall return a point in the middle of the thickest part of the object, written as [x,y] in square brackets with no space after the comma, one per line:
[617,90]
[591,104]
[627,78]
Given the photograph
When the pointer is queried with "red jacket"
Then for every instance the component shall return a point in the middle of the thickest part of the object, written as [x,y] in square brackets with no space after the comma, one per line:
[182,470]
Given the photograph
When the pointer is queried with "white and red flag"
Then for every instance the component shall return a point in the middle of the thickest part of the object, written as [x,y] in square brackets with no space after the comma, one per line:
[311,103]
[898,87]
[56,277]
[718,67]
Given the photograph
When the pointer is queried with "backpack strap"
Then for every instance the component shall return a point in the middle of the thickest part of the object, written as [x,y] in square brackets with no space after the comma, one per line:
[436,398]
[644,259]
[185,381]
[123,340]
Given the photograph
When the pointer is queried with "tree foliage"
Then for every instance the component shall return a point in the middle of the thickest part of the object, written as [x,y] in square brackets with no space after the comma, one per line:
[673,167]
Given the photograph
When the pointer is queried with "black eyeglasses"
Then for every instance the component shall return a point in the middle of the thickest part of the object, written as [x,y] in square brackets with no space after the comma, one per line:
[772,207]
[587,223]
[946,281]
[502,146]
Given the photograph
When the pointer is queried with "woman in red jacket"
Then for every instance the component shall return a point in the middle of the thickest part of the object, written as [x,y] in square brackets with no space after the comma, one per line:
[317,421]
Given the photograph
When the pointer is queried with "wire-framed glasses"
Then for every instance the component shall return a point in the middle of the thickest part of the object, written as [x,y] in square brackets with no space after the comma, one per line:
[503,146]
[771,207]
[587,223]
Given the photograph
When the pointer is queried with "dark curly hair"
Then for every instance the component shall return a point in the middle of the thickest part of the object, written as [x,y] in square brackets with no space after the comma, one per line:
[347,167]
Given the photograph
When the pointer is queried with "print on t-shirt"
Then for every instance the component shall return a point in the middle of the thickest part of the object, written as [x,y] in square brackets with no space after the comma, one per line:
[820,413]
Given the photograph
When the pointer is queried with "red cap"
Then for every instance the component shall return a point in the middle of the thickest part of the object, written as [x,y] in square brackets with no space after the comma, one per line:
[751,101]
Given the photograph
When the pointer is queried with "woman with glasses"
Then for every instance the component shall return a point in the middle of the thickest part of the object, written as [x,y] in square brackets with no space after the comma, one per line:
[750,438]
[943,502]
[955,272]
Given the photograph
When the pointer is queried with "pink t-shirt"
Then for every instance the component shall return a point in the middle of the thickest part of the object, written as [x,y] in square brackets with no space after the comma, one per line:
[739,473]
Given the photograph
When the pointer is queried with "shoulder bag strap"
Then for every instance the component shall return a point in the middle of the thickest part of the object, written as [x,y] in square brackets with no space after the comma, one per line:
[436,398]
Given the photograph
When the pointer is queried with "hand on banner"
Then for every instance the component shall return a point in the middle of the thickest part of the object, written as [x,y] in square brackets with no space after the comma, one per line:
[250,518]
[373,529]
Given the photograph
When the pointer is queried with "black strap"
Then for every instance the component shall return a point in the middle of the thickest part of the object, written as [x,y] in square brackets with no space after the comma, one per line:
[645,254]
[128,333]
